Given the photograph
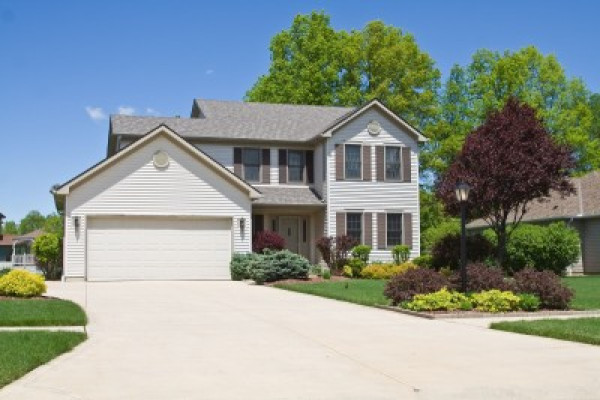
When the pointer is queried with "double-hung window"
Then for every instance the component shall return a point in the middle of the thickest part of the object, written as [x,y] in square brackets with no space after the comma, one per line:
[296,163]
[251,162]
[352,161]
[354,226]
[392,163]
[394,229]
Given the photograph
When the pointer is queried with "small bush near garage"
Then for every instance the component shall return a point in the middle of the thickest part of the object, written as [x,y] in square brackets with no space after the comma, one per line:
[241,264]
[269,266]
[553,247]
[20,283]
[267,240]
[405,286]
[546,285]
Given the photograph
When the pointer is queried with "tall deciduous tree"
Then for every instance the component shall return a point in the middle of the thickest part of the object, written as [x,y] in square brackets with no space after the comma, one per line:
[311,63]
[32,221]
[509,161]
[483,86]
[10,228]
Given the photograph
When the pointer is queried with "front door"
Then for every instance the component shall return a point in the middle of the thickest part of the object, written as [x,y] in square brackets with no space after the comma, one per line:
[288,228]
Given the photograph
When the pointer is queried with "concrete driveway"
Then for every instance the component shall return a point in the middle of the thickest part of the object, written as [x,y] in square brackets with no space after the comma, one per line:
[231,340]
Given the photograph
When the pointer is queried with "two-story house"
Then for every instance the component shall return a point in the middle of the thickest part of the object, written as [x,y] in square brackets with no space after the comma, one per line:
[176,197]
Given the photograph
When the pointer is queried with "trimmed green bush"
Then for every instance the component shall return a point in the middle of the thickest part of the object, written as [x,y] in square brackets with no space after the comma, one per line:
[277,265]
[48,254]
[241,265]
[442,300]
[529,302]
[400,253]
[21,283]
[361,252]
[423,261]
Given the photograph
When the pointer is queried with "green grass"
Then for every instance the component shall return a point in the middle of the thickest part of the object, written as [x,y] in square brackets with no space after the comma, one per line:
[35,312]
[22,351]
[360,291]
[584,330]
[587,292]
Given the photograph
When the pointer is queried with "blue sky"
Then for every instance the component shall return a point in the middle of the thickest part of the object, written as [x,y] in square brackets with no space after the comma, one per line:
[62,62]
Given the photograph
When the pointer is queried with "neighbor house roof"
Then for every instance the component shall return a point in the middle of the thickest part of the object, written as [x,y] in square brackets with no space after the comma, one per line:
[585,203]
[29,236]
[7,240]
[215,119]
[288,196]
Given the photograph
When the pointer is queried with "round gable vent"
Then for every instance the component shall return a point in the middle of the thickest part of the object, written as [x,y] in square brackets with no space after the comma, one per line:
[160,159]
[374,127]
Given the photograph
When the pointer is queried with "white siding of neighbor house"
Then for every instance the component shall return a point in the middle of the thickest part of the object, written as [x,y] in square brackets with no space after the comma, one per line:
[133,186]
[591,246]
[372,196]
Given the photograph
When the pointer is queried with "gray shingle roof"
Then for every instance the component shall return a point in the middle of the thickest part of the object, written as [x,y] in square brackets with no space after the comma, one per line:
[586,202]
[282,195]
[239,120]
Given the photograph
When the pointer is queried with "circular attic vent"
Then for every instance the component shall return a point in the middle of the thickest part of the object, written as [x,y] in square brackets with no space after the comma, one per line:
[160,159]
[374,127]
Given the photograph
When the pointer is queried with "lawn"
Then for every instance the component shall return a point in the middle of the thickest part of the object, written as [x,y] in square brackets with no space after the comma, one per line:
[587,292]
[584,330]
[54,312]
[360,291]
[22,351]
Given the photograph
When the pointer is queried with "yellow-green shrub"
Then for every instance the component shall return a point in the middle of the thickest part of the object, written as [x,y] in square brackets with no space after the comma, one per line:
[496,301]
[347,271]
[442,300]
[22,283]
[385,270]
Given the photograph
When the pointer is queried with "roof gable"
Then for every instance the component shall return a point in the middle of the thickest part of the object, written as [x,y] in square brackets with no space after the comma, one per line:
[160,131]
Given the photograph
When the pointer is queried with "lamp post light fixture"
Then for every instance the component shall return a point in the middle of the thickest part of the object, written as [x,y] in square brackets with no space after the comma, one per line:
[462,195]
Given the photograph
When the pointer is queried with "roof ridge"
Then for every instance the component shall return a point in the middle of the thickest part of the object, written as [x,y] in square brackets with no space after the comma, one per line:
[274,104]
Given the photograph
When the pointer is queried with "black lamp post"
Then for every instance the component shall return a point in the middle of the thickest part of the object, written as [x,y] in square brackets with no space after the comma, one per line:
[462,195]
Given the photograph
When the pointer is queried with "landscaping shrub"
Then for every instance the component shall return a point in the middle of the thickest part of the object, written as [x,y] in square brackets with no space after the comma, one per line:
[553,247]
[277,265]
[335,250]
[241,264]
[442,300]
[21,283]
[4,271]
[327,274]
[432,235]
[496,301]
[385,270]
[481,277]
[404,287]
[362,252]
[267,240]
[529,302]
[48,254]
[423,261]
[546,285]
[400,253]
[446,251]
[354,267]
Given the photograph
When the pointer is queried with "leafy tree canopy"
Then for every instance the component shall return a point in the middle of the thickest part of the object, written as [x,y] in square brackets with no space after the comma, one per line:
[32,221]
[10,228]
[312,63]
[508,161]
[483,86]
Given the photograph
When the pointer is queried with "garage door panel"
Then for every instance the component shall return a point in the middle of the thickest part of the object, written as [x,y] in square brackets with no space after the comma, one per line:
[158,248]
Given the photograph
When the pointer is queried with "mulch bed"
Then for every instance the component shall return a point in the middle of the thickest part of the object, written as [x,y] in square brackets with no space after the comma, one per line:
[480,314]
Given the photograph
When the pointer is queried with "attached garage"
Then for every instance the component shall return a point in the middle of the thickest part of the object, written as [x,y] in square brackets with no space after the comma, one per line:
[160,209]
[151,248]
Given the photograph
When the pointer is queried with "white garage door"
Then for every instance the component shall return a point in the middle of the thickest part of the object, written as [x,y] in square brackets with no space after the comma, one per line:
[148,248]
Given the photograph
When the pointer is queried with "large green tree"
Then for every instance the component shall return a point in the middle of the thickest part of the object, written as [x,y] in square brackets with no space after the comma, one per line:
[10,228]
[483,86]
[312,63]
[32,221]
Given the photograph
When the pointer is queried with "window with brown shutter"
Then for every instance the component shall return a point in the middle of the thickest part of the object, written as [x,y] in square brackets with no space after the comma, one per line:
[393,229]
[266,165]
[407,228]
[368,224]
[380,163]
[340,223]
[282,166]
[339,162]
[406,172]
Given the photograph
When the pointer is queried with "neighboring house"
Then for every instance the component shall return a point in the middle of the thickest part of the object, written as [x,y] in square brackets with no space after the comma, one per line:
[580,211]
[15,250]
[175,197]
[6,249]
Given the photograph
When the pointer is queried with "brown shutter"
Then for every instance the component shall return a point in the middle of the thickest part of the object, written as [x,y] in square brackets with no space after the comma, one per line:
[339,162]
[381,230]
[407,229]
[237,161]
[340,223]
[380,162]
[282,166]
[310,162]
[366,163]
[406,164]
[266,165]
[368,222]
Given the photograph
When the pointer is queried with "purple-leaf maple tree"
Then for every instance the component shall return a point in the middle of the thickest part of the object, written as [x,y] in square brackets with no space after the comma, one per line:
[509,161]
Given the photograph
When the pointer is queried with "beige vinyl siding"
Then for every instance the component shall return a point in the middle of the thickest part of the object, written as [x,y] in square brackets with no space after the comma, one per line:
[134,186]
[591,246]
[372,196]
